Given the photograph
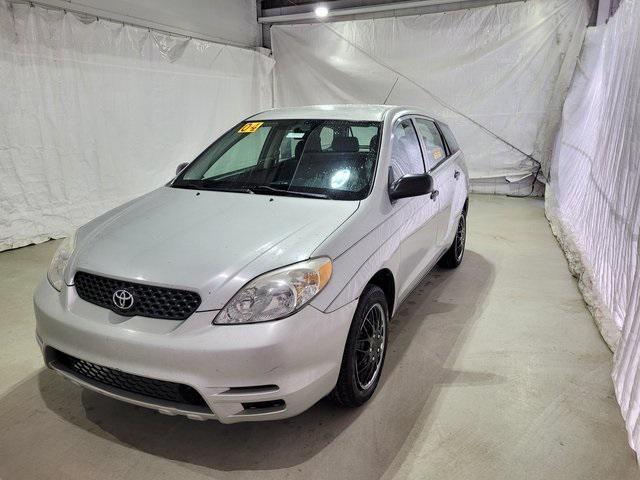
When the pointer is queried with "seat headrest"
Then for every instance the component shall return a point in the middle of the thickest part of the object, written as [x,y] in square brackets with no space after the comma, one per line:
[310,144]
[373,143]
[345,144]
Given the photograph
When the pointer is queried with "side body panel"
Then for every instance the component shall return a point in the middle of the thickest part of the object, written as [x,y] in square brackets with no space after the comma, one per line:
[372,239]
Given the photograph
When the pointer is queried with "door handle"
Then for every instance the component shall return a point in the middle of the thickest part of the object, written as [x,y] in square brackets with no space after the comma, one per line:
[456,174]
[434,195]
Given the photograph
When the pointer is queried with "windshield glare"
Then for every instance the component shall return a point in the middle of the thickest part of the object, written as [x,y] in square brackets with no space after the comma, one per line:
[320,158]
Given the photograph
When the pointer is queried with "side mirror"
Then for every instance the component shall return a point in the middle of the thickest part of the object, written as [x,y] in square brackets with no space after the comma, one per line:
[411,186]
[181,167]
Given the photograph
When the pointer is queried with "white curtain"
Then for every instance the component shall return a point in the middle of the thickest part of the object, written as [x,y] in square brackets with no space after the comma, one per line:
[94,113]
[594,200]
[506,67]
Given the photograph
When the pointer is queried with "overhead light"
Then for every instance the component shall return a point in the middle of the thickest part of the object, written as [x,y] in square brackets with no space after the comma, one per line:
[321,11]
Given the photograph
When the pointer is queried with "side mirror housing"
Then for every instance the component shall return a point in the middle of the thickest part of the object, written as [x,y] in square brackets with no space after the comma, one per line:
[181,167]
[411,186]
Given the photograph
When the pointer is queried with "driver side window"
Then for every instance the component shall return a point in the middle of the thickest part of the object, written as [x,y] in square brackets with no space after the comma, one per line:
[406,157]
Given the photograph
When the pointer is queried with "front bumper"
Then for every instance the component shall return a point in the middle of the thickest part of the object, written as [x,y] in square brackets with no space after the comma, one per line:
[228,365]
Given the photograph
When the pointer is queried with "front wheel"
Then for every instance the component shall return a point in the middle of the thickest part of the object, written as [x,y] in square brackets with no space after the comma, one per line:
[453,257]
[365,350]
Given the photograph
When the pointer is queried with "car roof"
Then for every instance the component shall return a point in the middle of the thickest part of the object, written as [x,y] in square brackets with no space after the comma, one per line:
[373,113]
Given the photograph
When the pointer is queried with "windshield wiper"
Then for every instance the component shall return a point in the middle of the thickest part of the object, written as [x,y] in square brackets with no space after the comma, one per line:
[280,191]
[230,189]
[195,185]
[204,185]
[200,185]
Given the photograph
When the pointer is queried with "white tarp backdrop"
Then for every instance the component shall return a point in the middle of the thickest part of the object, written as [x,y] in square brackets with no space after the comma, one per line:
[594,200]
[93,114]
[506,66]
[223,21]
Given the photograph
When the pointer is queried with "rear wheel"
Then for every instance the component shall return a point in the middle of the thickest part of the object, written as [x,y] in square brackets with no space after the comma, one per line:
[453,257]
[365,350]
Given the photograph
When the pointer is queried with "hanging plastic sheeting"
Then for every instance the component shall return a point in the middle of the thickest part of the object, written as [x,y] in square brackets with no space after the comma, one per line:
[593,201]
[506,67]
[95,113]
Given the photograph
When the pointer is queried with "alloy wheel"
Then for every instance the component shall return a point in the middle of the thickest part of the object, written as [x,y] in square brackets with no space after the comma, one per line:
[370,344]
[460,238]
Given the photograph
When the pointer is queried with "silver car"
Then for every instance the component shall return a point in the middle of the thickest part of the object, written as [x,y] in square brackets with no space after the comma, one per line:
[262,277]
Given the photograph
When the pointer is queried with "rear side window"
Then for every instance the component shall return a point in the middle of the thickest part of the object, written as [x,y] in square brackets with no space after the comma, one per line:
[405,151]
[434,147]
[327,134]
[367,137]
[448,136]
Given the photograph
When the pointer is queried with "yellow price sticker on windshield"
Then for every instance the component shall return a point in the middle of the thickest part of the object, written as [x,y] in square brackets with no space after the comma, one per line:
[438,153]
[250,127]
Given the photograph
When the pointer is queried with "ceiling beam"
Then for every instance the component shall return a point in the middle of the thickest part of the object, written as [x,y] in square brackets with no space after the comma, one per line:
[271,16]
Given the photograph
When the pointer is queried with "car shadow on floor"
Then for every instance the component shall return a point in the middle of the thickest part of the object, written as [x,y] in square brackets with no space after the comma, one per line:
[425,335]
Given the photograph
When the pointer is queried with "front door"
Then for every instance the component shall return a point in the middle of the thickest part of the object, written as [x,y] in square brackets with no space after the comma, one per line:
[418,246]
[442,169]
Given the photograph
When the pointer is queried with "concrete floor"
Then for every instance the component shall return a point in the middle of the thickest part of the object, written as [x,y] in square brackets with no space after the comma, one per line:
[494,371]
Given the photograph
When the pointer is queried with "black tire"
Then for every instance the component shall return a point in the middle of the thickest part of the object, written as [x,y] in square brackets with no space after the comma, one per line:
[453,257]
[351,389]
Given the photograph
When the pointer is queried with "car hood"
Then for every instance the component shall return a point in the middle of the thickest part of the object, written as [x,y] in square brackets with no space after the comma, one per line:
[209,242]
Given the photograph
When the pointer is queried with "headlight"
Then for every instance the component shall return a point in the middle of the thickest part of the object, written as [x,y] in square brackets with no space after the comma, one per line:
[59,262]
[277,294]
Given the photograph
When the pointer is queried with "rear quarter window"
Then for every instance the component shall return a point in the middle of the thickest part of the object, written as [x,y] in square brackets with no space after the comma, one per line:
[448,136]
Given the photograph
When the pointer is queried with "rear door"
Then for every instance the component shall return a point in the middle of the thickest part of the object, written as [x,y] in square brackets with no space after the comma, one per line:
[439,164]
[460,183]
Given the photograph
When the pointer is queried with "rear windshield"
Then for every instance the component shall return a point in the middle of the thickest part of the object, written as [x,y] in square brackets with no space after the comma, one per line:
[318,158]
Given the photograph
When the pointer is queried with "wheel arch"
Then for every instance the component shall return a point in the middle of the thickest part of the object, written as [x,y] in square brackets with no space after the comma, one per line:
[385,280]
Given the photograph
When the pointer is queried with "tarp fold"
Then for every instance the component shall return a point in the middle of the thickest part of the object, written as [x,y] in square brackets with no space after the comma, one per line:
[593,201]
[94,113]
[497,75]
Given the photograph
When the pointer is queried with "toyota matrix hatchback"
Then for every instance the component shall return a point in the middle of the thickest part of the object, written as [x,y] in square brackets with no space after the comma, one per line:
[264,275]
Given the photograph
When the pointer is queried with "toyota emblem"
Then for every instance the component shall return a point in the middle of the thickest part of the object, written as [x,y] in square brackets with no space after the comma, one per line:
[123,299]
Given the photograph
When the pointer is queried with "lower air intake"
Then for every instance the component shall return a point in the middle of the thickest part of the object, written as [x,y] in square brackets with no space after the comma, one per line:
[148,387]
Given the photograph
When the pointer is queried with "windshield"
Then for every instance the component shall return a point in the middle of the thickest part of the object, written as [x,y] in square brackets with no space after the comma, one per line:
[315,158]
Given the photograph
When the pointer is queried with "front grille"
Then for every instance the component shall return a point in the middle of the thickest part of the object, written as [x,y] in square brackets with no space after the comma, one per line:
[148,387]
[147,300]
